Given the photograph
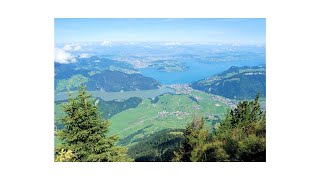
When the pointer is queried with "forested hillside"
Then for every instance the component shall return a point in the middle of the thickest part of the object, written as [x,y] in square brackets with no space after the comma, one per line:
[108,78]
[114,81]
[110,108]
[159,146]
[236,82]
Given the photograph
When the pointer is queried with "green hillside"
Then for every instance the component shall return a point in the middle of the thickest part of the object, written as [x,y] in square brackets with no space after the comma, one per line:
[168,111]
[103,74]
[236,82]
[158,147]
[110,108]
[115,81]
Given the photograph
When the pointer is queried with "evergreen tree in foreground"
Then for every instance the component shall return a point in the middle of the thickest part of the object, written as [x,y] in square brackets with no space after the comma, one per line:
[84,132]
[243,132]
[196,135]
[240,137]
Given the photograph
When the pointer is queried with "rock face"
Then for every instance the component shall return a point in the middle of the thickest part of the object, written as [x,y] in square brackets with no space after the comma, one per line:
[236,83]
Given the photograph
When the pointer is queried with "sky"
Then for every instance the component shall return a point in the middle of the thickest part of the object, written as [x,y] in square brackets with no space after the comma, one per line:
[233,30]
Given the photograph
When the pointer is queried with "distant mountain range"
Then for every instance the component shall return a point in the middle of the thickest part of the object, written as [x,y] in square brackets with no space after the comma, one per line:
[236,83]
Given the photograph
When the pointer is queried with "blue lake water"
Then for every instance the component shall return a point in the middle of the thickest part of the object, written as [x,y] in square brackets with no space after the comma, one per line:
[197,71]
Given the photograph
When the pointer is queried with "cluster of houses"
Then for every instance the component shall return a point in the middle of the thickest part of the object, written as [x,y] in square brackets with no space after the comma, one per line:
[181,88]
[224,100]
[254,73]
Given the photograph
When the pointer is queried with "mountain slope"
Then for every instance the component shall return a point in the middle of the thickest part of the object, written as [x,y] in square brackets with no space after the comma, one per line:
[157,147]
[236,82]
[107,80]
[114,81]
[110,108]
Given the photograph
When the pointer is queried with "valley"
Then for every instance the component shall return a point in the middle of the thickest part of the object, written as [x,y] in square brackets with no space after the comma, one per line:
[166,111]
[138,106]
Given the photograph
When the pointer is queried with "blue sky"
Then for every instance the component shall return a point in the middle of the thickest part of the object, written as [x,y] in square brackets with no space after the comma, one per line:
[243,31]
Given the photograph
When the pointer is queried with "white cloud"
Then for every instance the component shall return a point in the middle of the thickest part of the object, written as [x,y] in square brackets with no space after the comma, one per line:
[72,47]
[106,43]
[67,47]
[77,48]
[63,57]
[84,55]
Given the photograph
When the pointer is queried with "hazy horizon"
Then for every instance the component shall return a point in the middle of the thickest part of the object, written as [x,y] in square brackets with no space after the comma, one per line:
[197,30]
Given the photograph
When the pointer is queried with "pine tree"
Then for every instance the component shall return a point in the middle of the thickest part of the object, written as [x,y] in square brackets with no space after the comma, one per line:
[196,135]
[84,132]
[65,156]
[244,132]
[240,137]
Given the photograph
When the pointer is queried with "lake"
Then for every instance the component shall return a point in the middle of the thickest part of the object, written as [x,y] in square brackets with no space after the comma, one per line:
[197,71]
[109,96]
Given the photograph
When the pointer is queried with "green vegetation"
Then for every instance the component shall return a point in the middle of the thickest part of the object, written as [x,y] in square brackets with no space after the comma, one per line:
[84,133]
[72,83]
[158,146]
[65,156]
[167,111]
[115,81]
[155,130]
[58,114]
[240,137]
[108,96]
[236,82]
[110,108]
[195,137]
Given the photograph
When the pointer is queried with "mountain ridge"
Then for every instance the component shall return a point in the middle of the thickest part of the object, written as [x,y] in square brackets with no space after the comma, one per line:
[237,82]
